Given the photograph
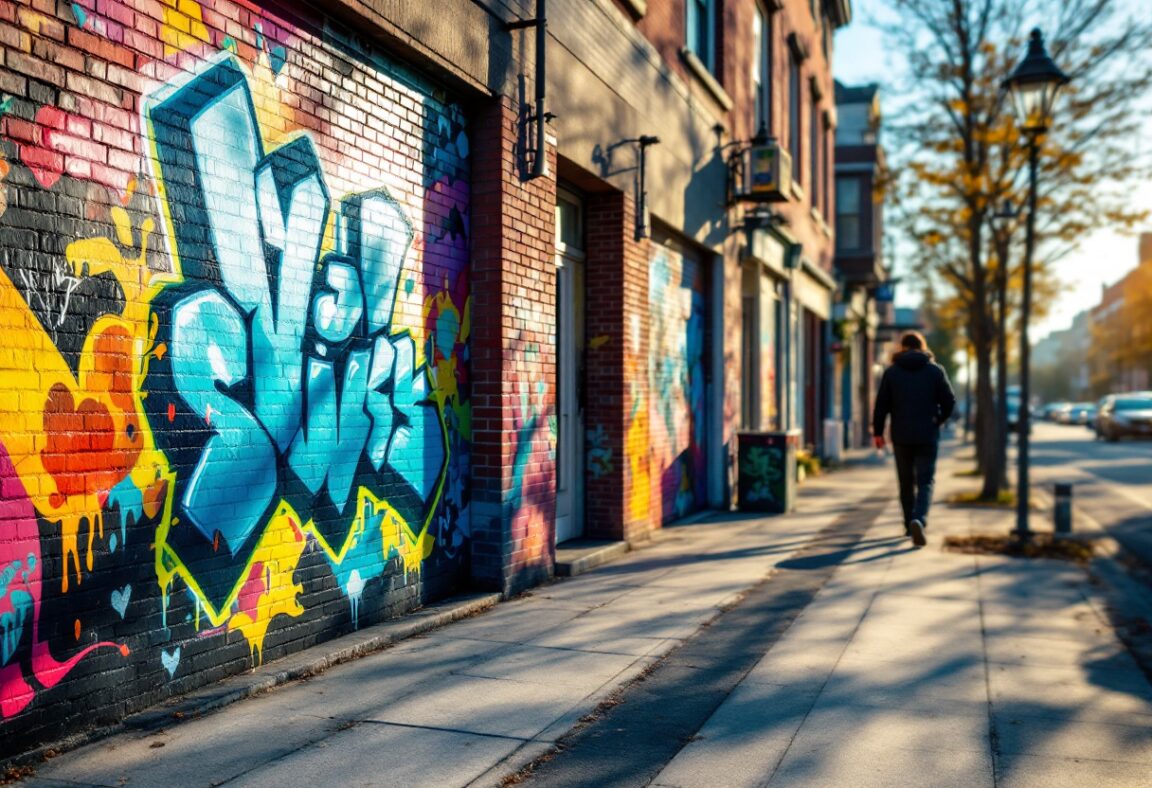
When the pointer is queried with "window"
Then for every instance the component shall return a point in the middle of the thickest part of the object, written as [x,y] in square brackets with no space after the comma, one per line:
[817,154]
[794,125]
[848,235]
[702,31]
[762,69]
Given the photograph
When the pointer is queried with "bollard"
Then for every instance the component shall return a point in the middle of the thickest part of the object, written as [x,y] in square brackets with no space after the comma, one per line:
[1062,511]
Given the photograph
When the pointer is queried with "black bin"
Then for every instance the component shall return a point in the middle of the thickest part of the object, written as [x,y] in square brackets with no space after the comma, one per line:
[767,471]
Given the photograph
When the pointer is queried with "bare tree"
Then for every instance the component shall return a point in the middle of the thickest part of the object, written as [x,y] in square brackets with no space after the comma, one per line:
[959,154]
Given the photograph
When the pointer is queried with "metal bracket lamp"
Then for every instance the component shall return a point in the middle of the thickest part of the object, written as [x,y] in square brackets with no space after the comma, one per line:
[759,169]
[645,141]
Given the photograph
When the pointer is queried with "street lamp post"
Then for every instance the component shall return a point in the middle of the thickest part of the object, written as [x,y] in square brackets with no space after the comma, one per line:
[1034,86]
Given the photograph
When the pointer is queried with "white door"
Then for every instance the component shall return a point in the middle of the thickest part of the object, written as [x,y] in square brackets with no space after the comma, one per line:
[570,349]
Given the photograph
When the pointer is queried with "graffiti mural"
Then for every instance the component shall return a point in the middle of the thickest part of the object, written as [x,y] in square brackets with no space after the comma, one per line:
[676,298]
[236,362]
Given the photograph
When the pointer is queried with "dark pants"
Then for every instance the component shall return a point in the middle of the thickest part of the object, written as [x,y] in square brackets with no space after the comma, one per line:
[916,471]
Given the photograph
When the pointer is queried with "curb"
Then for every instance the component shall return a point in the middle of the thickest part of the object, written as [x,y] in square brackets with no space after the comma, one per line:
[309,662]
[577,560]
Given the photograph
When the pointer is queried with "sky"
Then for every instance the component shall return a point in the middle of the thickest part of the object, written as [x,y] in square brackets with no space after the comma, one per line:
[1104,256]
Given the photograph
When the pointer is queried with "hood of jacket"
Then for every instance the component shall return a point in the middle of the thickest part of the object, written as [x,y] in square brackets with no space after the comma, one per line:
[912,359]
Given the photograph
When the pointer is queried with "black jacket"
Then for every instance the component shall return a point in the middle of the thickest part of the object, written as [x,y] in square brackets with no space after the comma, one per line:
[915,391]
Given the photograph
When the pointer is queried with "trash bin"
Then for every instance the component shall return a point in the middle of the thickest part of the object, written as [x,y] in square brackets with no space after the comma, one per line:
[767,471]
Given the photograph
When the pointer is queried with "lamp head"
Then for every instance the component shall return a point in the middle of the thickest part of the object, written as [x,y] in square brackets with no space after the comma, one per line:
[1034,86]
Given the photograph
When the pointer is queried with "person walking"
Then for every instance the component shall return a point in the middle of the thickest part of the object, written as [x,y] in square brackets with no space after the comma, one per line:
[916,393]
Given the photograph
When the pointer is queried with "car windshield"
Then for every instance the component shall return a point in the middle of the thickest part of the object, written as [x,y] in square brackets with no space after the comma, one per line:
[1137,403]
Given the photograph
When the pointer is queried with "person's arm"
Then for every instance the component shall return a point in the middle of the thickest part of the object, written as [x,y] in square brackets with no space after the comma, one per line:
[881,410]
[945,397]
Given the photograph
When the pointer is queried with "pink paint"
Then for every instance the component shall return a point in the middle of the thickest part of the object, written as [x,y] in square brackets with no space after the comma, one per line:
[254,587]
[59,142]
[21,542]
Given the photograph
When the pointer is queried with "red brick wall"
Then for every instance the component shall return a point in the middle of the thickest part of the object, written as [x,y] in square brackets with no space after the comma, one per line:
[619,501]
[514,391]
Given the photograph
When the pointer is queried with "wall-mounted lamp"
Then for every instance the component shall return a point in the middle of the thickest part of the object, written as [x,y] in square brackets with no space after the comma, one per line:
[645,141]
[759,170]
[539,117]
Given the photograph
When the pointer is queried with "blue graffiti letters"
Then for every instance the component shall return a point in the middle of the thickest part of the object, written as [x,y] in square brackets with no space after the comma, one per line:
[234,481]
[286,377]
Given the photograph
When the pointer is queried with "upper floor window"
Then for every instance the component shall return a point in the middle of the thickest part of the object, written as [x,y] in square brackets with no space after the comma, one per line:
[702,31]
[795,98]
[816,146]
[849,235]
[762,69]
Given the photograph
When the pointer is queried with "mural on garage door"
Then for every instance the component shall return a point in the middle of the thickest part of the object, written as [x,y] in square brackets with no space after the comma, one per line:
[235,302]
[677,301]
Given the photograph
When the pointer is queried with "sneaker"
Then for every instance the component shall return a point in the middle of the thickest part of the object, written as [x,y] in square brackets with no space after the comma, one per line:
[917,531]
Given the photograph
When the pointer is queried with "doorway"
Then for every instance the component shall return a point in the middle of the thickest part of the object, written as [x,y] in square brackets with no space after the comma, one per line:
[570,363]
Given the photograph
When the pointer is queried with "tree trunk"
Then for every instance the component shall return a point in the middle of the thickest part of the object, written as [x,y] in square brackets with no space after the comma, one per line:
[979,435]
[999,467]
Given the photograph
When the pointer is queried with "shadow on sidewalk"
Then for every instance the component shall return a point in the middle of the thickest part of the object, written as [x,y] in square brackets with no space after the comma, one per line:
[841,557]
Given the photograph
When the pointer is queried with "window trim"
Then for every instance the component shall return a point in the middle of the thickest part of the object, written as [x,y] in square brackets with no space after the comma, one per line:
[700,71]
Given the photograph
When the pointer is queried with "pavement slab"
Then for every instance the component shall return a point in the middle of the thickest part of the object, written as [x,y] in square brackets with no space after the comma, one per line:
[374,754]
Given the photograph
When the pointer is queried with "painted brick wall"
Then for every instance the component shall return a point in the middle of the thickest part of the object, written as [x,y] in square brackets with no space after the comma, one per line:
[677,364]
[618,489]
[235,408]
[514,393]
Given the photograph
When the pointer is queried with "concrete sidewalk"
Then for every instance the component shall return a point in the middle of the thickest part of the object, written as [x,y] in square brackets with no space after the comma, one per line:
[937,669]
[907,668]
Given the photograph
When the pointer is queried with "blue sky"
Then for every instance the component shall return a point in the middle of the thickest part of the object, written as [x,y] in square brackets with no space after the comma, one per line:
[1103,257]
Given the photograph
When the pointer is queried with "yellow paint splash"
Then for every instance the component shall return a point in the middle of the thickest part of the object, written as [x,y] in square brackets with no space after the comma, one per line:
[183,27]
[636,446]
[31,369]
[278,552]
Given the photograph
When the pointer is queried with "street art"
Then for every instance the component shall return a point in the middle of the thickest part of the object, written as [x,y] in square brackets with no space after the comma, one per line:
[531,503]
[235,368]
[762,477]
[676,379]
[599,452]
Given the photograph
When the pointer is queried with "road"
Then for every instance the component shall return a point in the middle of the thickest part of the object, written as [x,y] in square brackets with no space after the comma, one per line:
[1113,481]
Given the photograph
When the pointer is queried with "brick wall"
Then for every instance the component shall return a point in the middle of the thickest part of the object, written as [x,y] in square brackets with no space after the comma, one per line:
[514,438]
[618,488]
[235,395]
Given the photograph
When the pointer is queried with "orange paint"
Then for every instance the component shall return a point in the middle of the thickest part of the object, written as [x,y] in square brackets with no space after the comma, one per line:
[87,445]
[77,628]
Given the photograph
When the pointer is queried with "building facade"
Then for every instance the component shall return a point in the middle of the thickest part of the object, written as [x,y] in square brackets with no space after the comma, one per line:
[1121,357]
[859,228]
[316,315]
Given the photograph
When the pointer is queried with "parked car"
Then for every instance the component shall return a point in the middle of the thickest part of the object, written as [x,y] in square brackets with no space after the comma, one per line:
[1052,409]
[1100,405]
[1083,413]
[1125,415]
[1063,414]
